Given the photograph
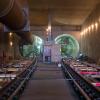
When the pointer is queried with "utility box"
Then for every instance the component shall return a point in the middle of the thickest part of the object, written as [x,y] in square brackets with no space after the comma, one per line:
[52,52]
[56,53]
[47,52]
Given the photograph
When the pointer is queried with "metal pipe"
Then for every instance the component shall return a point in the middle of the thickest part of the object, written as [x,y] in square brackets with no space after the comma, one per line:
[26,36]
[12,15]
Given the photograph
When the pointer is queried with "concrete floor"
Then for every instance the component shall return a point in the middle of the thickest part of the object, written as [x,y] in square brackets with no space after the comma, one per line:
[48,83]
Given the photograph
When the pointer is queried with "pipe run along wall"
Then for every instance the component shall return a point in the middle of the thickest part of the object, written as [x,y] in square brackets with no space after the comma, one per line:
[12,16]
[27,36]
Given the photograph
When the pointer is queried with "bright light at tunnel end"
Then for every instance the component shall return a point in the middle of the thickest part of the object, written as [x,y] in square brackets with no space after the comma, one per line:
[72,37]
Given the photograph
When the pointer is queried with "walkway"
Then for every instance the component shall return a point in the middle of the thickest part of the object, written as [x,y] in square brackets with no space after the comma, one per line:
[48,83]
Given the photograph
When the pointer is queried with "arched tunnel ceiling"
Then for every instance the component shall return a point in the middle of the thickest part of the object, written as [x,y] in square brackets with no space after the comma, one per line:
[70,12]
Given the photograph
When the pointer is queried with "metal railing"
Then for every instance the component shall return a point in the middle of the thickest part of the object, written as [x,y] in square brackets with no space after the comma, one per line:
[84,88]
[15,87]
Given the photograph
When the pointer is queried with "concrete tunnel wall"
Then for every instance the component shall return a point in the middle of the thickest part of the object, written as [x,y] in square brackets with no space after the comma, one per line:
[90,35]
[55,33]
[8,52]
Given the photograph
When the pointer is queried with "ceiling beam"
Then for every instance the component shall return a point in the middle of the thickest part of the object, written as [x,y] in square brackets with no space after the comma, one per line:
[56,28]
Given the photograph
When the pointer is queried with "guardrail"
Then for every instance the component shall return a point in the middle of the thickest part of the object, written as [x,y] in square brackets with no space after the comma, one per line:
[14,89]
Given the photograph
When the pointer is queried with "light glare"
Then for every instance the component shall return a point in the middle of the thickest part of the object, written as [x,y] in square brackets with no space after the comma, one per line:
[11,43]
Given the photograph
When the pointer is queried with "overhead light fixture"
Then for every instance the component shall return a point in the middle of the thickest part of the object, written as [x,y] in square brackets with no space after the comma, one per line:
[89,28]
[10,34]
[48,30]
[49,27]
[96,25]
[11,43]
[82,33]
[92,26]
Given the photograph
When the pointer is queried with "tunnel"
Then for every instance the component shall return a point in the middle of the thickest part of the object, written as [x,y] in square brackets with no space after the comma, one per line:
[36,48]
[49,49]
[69,45]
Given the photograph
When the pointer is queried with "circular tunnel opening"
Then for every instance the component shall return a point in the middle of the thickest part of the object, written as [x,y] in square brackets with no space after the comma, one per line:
[34,49]
[69,45]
